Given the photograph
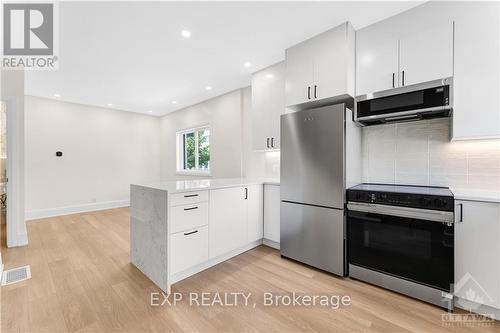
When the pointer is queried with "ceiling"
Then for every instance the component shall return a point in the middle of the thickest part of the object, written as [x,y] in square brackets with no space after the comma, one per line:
[131,55]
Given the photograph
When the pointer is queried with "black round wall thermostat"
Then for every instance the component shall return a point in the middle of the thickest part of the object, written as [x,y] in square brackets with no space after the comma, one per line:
[59,153]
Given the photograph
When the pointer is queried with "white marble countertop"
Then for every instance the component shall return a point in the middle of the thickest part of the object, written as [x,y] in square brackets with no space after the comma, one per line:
[178,186]
[476,195]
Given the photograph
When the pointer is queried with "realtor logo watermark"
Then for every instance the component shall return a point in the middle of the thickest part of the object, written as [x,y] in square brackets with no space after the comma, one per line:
[30,35]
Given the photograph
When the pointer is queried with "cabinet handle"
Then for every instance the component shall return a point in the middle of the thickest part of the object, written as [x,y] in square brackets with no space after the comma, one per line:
[190,233]
[246,193]
[461,219]
[403,80]
[308,92]
[272,142]
[393,79]
[267,142]
[190,195]
[191,208]
[315,89]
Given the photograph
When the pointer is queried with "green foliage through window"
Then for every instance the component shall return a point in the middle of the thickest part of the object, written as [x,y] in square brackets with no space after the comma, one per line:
[194,150]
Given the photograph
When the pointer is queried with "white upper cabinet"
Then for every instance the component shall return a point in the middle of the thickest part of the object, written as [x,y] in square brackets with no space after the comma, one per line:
[426,55]
[268,103]
[377,64]
[385,60]
[299,77]
[476,106]
[321,68]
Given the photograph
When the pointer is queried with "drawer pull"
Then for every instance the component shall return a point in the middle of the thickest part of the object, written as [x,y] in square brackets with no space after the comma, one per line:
[190,233]
[190,195]
[191,208]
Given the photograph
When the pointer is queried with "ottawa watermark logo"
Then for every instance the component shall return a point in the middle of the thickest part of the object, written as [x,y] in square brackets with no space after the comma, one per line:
[30,39]
[471,295]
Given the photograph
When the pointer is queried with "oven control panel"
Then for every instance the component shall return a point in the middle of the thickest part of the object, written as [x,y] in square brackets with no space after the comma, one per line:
[414,200]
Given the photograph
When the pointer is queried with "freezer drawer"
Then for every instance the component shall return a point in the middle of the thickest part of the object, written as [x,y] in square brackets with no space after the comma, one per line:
[313,235]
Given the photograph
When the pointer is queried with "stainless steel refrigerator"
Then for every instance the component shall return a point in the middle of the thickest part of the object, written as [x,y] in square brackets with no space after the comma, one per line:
[313,183]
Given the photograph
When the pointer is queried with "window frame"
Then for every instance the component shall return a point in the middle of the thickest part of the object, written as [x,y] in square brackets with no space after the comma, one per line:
[179,151]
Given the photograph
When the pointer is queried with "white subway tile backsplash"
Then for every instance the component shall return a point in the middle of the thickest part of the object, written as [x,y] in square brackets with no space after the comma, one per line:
[421,153]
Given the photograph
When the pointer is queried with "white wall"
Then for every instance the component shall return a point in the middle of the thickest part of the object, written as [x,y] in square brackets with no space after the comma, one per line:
[104,151]
[229,119]
[421,153]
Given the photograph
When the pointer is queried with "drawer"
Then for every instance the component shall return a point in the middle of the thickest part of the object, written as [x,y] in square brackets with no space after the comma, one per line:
[189,248]
[188,216]
[187,198]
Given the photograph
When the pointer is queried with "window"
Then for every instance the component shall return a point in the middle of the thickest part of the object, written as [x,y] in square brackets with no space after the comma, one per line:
[193,151]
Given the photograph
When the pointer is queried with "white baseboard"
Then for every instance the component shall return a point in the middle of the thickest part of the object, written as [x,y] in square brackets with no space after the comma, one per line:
[50,212]
[481,309]
[270,243]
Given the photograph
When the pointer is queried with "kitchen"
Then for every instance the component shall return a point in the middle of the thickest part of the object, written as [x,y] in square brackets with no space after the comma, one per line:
[413,83]
[338,175]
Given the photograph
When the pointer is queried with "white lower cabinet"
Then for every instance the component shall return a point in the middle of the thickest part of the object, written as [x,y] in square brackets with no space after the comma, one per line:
[199,231]
[186,217]
[477,252]
[272,213]
[189,248]
[228,220]
[255,213]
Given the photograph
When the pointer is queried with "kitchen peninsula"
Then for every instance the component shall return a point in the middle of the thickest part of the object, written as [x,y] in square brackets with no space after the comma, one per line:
[180,228]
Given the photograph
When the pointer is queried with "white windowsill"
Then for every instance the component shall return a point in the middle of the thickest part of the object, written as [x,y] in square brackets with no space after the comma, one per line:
[196,173]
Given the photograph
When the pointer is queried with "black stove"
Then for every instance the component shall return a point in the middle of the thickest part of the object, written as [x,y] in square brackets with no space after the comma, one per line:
[424,197]
[402,238]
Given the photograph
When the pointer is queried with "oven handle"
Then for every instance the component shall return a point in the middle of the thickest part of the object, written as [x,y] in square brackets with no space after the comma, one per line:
[408,212]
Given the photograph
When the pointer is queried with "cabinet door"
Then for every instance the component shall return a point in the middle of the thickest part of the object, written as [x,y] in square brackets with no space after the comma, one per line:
[228,220]
[272,213]
[189,248]
[476,80]
[261,100]
[376,63]
[268,103]
[333,60]
[477,252]
[427,55]
[299,74]
[277,82]
[255,212]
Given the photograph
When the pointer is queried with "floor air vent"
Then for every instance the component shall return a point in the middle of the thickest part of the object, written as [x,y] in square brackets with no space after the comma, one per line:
[16,275]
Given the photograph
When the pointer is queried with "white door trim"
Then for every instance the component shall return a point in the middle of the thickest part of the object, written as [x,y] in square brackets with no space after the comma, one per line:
[16,234]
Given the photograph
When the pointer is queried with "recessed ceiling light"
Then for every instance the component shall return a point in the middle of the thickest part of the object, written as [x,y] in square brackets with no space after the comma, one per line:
[174,102]
[57,95]
[269,76]
[110,105]
[208,88]
[247,64]
[186,33]
[150,111]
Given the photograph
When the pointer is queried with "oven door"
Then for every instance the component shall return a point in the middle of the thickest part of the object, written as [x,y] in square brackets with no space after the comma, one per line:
[413,249]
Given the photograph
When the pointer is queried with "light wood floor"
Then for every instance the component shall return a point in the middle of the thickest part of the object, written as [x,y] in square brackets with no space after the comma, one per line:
[82,281]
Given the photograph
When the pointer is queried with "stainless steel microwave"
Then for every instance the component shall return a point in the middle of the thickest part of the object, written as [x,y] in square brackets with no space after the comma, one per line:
[409,103]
